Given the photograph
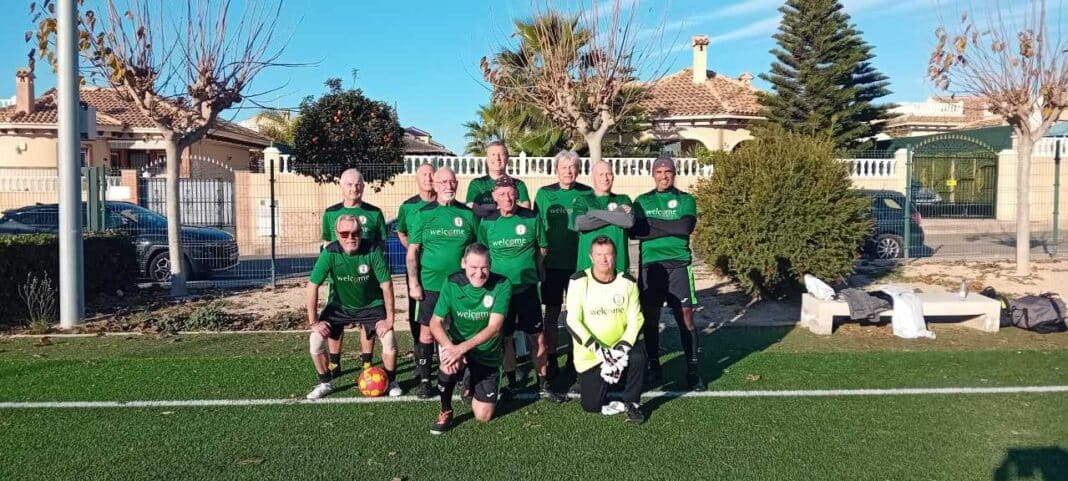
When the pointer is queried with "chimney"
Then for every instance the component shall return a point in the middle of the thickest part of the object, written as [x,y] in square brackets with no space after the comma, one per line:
[700,58]
[746,78]
[24,91]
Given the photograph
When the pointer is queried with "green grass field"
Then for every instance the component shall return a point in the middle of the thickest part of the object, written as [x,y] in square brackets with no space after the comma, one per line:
[952,437]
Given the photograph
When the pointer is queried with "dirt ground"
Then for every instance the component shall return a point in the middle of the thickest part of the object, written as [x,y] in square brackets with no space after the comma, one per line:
[722,302]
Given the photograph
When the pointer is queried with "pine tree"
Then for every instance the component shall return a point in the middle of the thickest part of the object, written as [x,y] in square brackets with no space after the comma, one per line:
[823,79]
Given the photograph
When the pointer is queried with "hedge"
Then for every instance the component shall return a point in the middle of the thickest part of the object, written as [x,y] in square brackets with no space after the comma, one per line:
[110,264]
[778,208]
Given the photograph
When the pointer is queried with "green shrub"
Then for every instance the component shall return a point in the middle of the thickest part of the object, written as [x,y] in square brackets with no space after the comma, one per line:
[209,317]
[777,209]
[170,323]
[110,263]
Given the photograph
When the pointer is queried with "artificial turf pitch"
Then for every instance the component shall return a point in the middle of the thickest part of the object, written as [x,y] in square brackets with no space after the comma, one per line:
[976,436]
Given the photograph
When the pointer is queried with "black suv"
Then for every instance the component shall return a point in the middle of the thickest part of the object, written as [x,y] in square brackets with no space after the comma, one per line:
[887,239]
[205,251]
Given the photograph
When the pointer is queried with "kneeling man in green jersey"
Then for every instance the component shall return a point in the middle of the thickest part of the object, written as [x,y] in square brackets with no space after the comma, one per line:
[475,302]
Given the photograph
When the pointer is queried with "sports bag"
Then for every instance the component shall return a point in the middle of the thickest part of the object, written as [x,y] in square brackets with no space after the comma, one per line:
[1043,314]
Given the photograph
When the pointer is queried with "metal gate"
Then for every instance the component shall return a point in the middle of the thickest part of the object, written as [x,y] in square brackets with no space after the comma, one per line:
[204,202]
[954,176]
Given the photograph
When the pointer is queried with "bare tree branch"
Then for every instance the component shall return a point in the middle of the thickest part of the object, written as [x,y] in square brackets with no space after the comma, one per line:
[579,68]
[181,75]
[1022,75]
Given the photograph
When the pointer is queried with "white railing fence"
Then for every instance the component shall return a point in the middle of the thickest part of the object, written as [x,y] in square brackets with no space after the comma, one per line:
[523,166]
[931,108]
[1047,147]
[872,168]
[42,183]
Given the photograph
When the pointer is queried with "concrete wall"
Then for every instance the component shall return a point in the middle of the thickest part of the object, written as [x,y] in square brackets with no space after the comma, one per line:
[300,201]
[712,137]
[39,151]
[1043,169]
[300,204]
[226,157]
[28,151]
[715,138]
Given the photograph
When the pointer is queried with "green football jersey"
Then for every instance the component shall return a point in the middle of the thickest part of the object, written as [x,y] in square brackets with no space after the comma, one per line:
[372,222]
[408,214]
[480,190]
[355,279]
[618,235]
[554,205]
[443,232]
[513,242]
[469,309]
[670,205]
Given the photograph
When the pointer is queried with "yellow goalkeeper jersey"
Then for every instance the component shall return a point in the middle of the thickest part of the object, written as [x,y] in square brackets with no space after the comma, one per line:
[601,314]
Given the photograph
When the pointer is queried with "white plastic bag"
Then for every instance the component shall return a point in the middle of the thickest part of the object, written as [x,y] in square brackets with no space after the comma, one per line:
[908,322]
[818,288]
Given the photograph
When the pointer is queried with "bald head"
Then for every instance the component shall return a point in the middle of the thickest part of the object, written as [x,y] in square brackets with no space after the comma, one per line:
[445,185]
[601,177]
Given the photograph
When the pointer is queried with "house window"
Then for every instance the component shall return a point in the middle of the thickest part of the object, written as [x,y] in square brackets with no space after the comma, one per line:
[117,162]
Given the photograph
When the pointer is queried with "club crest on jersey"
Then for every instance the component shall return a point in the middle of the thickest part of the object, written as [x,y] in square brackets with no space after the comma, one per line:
[618,299]
[459,222]
[363,220]
[487,301]
[612,205]
[520,229]
[363,268]
[673,204]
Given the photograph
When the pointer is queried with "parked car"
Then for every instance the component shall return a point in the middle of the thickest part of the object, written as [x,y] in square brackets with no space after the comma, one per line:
[205,250]
[888,233]
[922,195]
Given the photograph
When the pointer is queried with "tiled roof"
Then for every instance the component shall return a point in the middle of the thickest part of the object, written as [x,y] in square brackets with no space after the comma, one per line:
[414,146]
[110,110]
[676,95]
[984,122]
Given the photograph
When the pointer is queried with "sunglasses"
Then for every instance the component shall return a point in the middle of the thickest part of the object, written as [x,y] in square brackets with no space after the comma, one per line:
[345,234]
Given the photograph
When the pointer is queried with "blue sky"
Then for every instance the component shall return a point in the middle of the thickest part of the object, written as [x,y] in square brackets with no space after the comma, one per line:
[422,55]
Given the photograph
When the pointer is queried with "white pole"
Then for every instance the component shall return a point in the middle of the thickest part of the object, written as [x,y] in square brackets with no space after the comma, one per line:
[71,290]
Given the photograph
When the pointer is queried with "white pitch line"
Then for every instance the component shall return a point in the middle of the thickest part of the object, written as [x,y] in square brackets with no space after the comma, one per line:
[527,396]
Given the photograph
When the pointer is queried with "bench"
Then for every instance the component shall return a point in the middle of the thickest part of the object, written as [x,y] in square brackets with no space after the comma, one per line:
[982,312]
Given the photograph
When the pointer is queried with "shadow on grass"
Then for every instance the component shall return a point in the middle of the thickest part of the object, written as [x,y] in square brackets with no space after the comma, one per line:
[720,347]
[1048,463]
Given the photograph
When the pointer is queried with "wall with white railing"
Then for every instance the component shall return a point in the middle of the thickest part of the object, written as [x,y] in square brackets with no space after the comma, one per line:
[1047,147]
[931,107]
[872,168]
[19,191]
[42,184]
[523,166]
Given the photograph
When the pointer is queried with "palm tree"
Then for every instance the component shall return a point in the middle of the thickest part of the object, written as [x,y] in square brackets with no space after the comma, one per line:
[522,129]
[556,38]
